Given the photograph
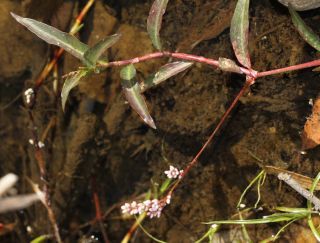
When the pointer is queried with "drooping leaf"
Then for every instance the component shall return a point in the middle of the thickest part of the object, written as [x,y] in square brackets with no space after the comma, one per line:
[93,54]
[154,21]
[69,84]
[54,36]
[305,31]
[165,72]
[239,32]
[133,94]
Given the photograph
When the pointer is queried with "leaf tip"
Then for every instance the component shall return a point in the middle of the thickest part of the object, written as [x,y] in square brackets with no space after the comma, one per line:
[16,17]
[150,122]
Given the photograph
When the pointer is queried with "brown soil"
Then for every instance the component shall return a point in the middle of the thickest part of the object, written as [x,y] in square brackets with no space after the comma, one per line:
[100,145]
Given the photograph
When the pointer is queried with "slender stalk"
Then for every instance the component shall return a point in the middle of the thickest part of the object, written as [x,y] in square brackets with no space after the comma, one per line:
[183,56]
[99,217]
[212,62]
[297,187]
[136,59]
[247,84]
[291,68]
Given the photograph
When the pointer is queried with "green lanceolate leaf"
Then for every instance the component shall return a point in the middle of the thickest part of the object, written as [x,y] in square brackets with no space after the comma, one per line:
[239,31]
[165,72]
[54,36]
[71,82]
[93,54]
[307,34]
[154,21]
[132,92]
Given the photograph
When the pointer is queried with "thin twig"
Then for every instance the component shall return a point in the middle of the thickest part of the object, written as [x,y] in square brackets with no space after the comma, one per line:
[297,187]
[246,86]
[291,68]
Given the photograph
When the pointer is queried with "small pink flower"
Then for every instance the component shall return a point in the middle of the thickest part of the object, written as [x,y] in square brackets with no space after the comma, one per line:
[125,208]
[134,208]
[155,208]
[173,172]
[130,208]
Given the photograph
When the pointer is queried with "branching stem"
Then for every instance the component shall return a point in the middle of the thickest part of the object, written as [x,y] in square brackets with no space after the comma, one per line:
[212,62]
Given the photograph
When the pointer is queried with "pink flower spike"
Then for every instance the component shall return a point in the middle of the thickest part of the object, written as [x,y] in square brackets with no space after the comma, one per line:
[153,207]
[173,172]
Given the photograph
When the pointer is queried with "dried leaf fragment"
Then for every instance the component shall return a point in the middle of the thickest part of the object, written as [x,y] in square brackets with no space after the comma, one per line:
[311,132]
[69,84]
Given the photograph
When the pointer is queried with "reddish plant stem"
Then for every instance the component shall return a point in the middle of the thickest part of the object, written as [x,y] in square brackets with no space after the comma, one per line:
[291,68]
[99,217]
[137,59]
[178,55]
[247,84]
[209,61]
[43,175]
[194,58]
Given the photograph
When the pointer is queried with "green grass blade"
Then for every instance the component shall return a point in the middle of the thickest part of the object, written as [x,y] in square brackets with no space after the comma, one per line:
[261,173]
[306,33]
[41,238]
[273,218]
[54,36]
[239,32]
[69,84]
[213,229]
[93,54]
[154,21]
[294,210]
[310,222]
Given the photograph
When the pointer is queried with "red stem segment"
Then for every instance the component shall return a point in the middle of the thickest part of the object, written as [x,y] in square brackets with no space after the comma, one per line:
[183,56]
[248,83]
[212,62]
[291,68]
